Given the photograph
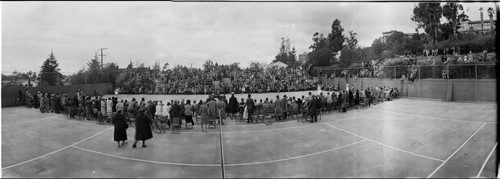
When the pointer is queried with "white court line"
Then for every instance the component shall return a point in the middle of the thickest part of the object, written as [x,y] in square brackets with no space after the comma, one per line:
[371,140]
[432,116]
[296,157]
[80,122]
[3,125]
[430,175]
[57,150]
[486,161]
[149,161]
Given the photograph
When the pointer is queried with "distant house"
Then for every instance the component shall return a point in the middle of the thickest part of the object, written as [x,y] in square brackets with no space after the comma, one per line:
[24,82]
[278,64]
[303,58]
[386,35]
[475,26]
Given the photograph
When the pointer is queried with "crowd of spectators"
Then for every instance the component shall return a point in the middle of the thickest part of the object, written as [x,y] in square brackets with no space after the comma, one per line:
[219,79]
[102,110]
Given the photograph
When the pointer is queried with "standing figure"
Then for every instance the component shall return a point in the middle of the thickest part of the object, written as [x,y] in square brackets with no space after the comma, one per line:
[121,126]
[142,128]
[250,105]
[233,105]
[204,115]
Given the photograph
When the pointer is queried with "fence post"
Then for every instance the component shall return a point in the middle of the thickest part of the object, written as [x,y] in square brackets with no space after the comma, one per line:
[477,97]
[394,72]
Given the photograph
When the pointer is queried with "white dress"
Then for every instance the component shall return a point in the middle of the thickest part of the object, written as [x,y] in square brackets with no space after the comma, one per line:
[245,113]
[109,107]
[158,110]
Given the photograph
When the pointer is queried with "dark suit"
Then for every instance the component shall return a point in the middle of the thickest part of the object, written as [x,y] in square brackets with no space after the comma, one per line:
[250,106]
[313,109]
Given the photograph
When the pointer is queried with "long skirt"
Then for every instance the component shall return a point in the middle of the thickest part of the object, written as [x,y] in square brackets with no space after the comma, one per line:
[245,113]
[103,111]
[222,114]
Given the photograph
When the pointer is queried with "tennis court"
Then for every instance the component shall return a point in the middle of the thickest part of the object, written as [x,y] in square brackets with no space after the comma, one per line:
[401,138]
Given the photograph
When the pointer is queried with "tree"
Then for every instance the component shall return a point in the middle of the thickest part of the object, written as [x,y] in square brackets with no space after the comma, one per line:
[165,66]
[352,42]
[50,71]
[111,72]
[321,54]
[208,64]
[490,14]
[454,13]
[427,16]
[336,38]
[130,65]
[156,66]
[94,70]
[286,57]
[378,47]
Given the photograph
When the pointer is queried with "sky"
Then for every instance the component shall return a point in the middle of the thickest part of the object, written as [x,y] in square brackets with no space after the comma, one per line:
[184,33]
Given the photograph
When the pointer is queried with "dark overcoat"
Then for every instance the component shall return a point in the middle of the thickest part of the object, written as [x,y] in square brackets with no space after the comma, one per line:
[313,107]
[233,105]
[120,127]
[143,127]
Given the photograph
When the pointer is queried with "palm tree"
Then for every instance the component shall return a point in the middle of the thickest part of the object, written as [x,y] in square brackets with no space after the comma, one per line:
[490,13]
[481,10]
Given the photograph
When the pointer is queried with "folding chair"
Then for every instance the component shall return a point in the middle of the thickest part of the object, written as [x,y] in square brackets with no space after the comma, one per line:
[270,114]
[157,125]
[260,115]
[212,123]
[176,125]
[255,115]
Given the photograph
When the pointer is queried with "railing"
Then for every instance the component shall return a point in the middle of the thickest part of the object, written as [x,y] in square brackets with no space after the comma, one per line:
[413,72]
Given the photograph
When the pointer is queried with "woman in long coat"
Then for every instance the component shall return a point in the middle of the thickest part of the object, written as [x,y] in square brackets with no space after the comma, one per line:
[233,105]
[204,115]
[345,99]
[142,127]
[120,128]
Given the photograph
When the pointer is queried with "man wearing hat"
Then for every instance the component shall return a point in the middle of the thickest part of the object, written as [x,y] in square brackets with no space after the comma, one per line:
[250,105]
[142,127]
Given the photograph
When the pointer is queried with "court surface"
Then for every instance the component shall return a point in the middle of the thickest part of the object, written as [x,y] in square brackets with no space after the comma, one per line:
[401,138]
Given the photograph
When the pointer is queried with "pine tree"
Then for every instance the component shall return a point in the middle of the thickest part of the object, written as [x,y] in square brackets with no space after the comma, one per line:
[50,71]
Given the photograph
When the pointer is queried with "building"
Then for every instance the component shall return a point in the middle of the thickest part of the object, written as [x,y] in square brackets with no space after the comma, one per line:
[278,64]
[475,26]
[303,58]
[386,35]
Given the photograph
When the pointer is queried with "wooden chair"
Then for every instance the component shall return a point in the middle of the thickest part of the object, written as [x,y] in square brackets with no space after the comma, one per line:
[270,114]
[157,125]
[176,125]
[212,123]
[261,115]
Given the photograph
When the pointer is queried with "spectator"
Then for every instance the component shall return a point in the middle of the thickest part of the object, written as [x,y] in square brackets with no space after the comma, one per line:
[120,123]
[142,127]
[188,112]
[250,108]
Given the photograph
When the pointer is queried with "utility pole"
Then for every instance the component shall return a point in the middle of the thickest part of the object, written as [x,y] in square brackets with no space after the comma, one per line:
[191,64]
[102,55]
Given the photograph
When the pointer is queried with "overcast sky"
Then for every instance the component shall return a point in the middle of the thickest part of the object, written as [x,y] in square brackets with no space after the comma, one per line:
[183,33]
